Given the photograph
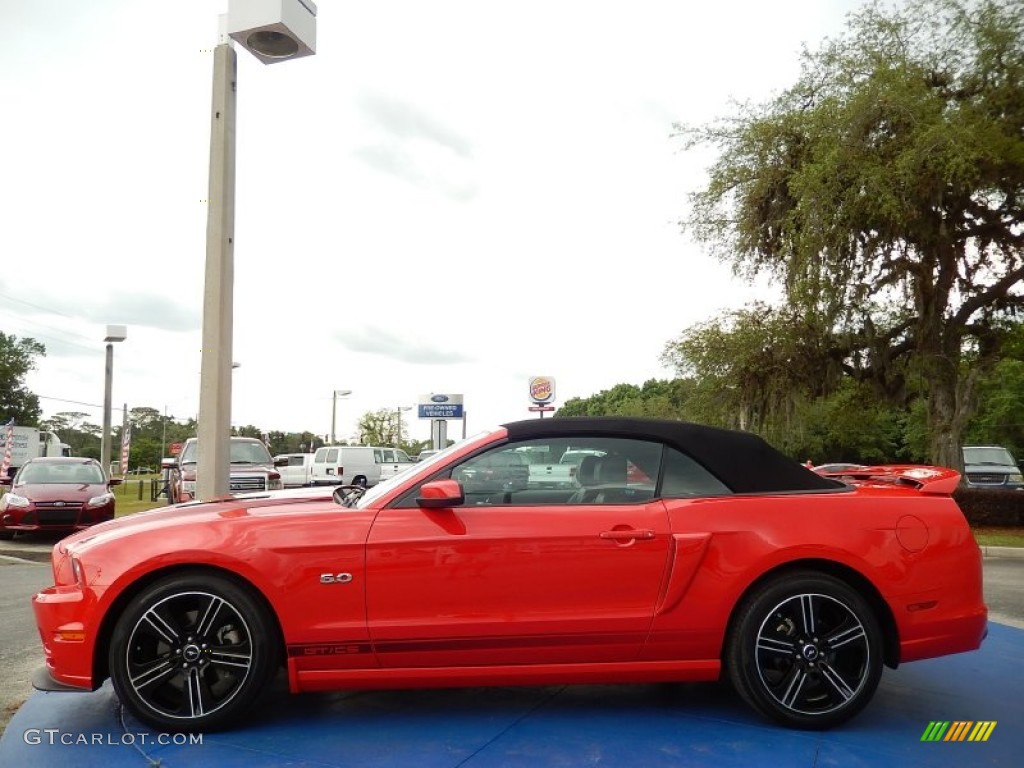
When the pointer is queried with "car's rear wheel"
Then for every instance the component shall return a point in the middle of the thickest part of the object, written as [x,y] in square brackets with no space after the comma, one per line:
[360,481]
[805,650]
[192,652]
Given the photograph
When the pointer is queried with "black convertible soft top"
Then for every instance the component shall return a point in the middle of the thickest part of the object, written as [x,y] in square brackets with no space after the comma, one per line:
[741,460]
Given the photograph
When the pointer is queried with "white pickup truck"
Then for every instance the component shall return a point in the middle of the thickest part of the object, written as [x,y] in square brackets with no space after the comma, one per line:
[546,475]
[298,471]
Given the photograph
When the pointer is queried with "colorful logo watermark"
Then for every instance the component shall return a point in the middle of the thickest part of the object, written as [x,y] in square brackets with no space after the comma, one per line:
[958,730]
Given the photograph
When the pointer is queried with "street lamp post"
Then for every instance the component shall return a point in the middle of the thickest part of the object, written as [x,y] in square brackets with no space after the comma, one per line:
[334,407]
[272,30]
[398,410]
[114,333]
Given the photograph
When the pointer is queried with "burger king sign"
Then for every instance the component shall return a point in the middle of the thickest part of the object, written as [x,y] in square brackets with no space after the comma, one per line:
[542,389]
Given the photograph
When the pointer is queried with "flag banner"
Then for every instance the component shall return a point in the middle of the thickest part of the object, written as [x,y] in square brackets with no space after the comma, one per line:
[126,444]
[8,447]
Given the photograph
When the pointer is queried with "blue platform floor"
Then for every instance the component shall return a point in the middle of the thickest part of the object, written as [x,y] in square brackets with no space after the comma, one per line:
[613,725]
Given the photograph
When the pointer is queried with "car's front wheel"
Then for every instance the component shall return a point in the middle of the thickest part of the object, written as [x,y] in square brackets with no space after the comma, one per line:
[805,650]
[192,652]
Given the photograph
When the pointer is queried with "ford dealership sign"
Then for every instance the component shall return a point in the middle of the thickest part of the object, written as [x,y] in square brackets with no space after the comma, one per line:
[434,406]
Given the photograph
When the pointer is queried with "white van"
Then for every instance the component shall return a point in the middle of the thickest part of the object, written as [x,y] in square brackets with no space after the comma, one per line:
[298,472]
[357,464]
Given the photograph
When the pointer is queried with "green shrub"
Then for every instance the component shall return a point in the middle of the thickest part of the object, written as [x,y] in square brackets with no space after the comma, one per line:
[984,506]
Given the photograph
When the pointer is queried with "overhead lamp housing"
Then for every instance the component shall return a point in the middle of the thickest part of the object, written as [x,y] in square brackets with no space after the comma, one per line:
[273,30]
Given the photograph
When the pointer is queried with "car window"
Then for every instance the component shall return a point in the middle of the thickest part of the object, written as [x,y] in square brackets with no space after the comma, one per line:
[610,471]
[684,478]
[389,456]
[245,452]
[332,456]
[68,474]
[378,456]
[994,456]
[402,457]
[188,452]
[240,452]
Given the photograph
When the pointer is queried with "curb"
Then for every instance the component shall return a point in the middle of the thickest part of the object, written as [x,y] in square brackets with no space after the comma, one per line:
[1011,552]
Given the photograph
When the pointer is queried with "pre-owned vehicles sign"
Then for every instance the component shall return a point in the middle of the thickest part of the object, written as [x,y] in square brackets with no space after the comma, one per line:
[438,406]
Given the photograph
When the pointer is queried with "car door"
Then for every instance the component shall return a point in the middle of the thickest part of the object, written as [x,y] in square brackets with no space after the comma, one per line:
[389,463]
[515,576]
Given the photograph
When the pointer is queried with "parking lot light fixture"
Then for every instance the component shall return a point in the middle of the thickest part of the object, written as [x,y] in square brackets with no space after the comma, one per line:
[115,333]
[398,410]
[334,408]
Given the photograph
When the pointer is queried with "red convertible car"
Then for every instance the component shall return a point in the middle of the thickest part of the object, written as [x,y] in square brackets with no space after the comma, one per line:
[727,559]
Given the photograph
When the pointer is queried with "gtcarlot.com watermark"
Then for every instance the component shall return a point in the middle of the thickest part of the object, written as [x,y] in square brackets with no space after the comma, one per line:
[52,736]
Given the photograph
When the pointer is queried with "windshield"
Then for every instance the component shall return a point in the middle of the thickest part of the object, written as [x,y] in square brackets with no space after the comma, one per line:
[992,456]
[242,452]
[69,474]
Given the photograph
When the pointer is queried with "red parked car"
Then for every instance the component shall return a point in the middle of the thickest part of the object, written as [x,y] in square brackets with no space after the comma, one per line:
[730,560]
[55,493]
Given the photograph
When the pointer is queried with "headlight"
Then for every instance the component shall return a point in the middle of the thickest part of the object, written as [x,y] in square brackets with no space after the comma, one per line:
[14,500]
[1018,478]
[99,501]
[78,571]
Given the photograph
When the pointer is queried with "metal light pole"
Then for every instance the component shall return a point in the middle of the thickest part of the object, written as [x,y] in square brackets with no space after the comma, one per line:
[398,410]
[272,30]
[114,333]
[334,407]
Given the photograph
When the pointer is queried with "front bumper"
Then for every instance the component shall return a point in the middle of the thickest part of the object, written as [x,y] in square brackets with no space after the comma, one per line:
[42,680]
[68,638]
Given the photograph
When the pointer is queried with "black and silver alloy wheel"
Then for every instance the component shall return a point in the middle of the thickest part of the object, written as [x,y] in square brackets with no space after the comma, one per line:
[806,651]
[191,653]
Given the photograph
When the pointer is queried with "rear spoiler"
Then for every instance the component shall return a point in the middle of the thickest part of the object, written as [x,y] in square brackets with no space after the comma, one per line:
[941,481]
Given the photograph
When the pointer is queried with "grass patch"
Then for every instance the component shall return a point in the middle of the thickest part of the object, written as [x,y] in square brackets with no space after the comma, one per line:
[127,495]
[991,536]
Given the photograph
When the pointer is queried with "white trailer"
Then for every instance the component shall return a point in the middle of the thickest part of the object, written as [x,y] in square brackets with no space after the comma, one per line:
[29,443]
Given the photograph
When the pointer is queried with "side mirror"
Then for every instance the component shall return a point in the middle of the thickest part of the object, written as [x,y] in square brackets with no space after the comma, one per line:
[6,481]
[115,481]
[441,494]
[169,462]
[281,462]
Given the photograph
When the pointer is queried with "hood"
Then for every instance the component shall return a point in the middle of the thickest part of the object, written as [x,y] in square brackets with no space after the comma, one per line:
[190,514]
[60,491]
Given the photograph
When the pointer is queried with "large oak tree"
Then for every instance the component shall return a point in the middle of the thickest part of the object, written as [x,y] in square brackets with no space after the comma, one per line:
[885,193]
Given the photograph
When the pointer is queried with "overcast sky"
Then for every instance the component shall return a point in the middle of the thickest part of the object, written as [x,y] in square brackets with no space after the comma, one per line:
[450,196]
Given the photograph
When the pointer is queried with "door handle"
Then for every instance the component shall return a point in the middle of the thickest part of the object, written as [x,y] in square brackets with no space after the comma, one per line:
[627,534]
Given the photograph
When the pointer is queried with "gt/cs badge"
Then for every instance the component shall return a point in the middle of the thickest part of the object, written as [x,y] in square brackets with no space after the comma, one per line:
[335,578]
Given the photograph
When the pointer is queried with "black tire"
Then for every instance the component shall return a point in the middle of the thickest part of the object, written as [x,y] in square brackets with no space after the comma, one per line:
[805,650]
[360,481]
[193,652]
